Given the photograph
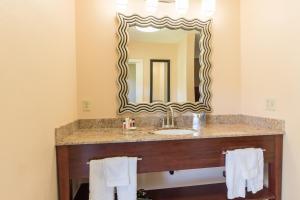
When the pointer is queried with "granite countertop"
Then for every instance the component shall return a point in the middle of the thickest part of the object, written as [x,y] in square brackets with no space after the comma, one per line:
[117,135]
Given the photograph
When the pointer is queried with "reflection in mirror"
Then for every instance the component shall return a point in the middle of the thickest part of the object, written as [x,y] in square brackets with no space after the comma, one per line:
[159,81]
[135,80]
[177,80]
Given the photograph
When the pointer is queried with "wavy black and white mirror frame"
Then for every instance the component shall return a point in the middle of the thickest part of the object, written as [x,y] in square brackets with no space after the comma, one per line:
[166,22]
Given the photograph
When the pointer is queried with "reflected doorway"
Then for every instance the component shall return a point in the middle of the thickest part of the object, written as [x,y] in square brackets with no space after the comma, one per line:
[159,81]
[135,80]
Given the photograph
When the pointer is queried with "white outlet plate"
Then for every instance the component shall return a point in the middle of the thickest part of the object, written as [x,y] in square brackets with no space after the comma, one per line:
[86,106]
[271,105]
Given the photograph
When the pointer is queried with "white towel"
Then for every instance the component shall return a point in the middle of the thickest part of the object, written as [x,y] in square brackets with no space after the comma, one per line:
[116,171]
[129,192]
[247,160]
[234,181]
[244,167]
[256,183]
[98,187]
[98,180]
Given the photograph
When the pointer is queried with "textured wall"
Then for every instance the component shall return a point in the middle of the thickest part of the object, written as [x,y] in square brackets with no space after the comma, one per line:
[38,93]
[271,70]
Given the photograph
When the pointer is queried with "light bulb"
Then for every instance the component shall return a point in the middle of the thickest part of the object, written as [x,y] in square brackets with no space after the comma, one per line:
[208,8]
[182,6]
[148,29]
[122,5]
[151,5]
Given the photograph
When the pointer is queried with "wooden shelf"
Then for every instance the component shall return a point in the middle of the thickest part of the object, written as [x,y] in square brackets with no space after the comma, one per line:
[83,192]
[205,192]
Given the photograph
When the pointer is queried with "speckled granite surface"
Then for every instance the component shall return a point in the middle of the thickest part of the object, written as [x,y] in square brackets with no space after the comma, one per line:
[156,121]
[263,122]
[96,131]
[117,135]
[109,131]
[66,130]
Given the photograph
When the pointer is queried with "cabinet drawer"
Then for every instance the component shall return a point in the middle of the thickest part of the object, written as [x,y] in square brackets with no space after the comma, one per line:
[167,155]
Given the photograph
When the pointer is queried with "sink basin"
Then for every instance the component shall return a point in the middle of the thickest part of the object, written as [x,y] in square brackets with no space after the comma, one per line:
[175,132]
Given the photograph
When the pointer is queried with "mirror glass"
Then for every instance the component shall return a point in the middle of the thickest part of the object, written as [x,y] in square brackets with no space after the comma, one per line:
[159,81]
[163,65]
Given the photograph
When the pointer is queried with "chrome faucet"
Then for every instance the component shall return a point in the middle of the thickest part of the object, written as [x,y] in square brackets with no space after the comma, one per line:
[169,114]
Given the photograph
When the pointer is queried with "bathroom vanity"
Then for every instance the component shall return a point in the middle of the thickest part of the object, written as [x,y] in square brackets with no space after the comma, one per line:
[167,86]
[204,149]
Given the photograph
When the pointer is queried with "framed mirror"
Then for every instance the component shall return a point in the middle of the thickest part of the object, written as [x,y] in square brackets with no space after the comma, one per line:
[163,62]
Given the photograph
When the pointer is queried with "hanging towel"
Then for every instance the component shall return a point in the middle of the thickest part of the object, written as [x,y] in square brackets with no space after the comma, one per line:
[244,167]
[116,171]
[247,159]
[101,175]
[234,181]
[98,186]
[129,192]
[256,183]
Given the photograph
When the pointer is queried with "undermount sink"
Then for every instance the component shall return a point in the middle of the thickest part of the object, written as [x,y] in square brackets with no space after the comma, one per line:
[175,132]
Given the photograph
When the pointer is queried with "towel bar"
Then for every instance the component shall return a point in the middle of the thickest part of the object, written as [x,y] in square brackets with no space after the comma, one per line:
[139,159]
[225,152]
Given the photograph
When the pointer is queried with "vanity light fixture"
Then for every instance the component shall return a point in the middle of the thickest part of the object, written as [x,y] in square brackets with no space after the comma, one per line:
[147,29]
[208,8]
[122,5]
[151,5]
[182,6]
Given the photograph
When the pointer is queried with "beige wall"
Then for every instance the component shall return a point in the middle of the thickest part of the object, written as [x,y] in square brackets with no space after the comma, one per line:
[271,70]
[97,56]
[38,93]
[185,69]
[181,70]
[190,54]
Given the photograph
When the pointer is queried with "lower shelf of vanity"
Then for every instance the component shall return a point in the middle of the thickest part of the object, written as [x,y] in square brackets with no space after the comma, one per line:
[205,192]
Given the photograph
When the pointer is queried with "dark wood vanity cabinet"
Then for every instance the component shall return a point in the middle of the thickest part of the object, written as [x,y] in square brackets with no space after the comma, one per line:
[172,155]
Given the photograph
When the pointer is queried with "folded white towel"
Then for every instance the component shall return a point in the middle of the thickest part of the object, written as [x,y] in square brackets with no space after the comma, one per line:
[234,181]
[244,167]
[129,192]
[116,171]
[98,187]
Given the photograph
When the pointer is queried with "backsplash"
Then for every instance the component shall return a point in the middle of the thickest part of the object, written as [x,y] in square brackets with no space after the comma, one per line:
[262,122]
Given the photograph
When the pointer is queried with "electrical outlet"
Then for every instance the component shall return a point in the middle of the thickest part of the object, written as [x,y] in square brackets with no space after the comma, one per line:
[271,105]
[86,106]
